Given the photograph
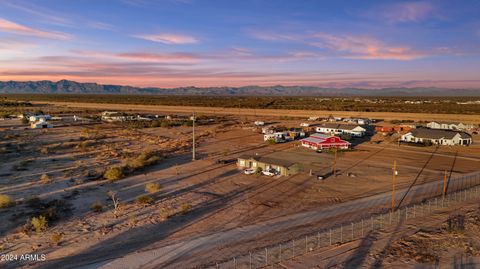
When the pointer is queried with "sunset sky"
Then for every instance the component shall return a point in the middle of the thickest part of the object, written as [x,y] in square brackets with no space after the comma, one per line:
[172,43]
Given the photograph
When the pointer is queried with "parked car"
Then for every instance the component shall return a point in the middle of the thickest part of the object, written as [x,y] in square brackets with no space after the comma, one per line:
[249,171]
[319,150]
[270,172]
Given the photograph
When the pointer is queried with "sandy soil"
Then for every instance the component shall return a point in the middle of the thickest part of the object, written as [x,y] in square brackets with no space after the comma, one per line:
[219,197]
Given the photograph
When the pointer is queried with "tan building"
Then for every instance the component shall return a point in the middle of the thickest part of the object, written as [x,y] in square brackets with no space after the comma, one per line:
[283,167]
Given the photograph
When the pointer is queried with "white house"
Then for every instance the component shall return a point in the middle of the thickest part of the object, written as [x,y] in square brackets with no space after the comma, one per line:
[40,124]
[437,137]
[337,129]
[450,125]
[278,137]
[35,118]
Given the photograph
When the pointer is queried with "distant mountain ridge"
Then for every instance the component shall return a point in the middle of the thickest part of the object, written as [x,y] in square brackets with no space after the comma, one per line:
[73,87]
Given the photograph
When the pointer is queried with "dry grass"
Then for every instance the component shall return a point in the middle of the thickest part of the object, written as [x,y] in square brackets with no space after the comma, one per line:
[5,201]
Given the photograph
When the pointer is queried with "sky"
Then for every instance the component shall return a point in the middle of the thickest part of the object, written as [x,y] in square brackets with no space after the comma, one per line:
[206,43]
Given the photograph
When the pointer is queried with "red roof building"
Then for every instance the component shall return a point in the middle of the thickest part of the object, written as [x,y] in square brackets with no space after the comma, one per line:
[324,141]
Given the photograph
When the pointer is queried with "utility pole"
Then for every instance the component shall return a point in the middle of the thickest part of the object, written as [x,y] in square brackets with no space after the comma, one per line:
[394,174]
[444,184]
[334,169]
[193,137]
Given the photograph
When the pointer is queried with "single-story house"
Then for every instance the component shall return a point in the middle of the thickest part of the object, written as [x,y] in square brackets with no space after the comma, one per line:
[40,125]
[35,118]
[324,141]
[283,167]
[393,128]
[337,129]
[437,137]
[450,125]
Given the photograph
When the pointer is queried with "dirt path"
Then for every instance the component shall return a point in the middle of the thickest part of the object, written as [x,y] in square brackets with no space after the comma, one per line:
[271,112]
[203,248]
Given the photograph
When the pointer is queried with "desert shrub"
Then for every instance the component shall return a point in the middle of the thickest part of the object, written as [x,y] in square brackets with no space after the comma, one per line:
[5,201]
[25,120]
[152,187]
[270,141]
[113,173]
[39,223]
[143,159]
[44,179]
[258,170]
[144,199]
[56,238]
[97,207]
[83,146]
[185,208]
[44,150]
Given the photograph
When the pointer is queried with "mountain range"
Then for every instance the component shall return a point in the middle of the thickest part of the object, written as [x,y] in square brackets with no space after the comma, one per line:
[73,87]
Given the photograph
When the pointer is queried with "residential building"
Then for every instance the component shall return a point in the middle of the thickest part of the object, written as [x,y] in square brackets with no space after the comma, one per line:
[35,118]
[437,137]
[393,128]
[40,124]
[337,129]
[324,141]
[283,167]
[450,125]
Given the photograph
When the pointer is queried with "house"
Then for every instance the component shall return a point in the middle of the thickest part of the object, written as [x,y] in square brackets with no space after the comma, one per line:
[283,167]
[449,125]
[337,129]
[40,124]
[324,141]
[437,137]
[393,128]
[360,121]
[35,118]
[278,137]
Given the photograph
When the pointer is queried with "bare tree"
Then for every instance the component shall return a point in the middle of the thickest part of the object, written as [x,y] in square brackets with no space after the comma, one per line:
[116,202]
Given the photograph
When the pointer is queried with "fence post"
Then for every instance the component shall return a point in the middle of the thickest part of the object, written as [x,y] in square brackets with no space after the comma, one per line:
[250,253]
[352,233]
[362,227]
[280,254]
[341,233]
[218,266]
[234,263]
[266,256]
[330,237]
[390,222]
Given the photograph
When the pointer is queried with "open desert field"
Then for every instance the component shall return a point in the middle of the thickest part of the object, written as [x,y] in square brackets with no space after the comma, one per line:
[183,213]
[270,112]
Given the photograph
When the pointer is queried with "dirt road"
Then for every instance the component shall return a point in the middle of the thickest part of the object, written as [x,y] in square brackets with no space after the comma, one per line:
[272,112]
[203,248]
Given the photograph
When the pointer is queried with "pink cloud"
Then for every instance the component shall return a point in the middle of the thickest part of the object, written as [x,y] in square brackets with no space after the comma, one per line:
[359,47]
[169,38]
[12,27]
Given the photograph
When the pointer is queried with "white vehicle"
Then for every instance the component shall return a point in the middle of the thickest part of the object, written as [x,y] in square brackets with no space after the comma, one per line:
[304,124]
[269,173]
[259,123]
[249,171]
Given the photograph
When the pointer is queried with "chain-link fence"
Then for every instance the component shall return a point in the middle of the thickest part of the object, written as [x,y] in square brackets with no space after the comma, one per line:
[459,190]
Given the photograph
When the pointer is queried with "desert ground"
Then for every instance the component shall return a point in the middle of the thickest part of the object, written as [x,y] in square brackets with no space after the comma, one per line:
[194,212]
[269,112]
